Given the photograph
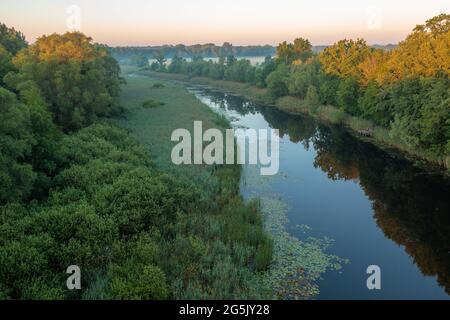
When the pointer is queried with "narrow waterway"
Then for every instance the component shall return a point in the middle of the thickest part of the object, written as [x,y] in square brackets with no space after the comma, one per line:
[373,208]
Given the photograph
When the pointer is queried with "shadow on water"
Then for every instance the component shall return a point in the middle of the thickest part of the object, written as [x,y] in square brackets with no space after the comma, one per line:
[410,206]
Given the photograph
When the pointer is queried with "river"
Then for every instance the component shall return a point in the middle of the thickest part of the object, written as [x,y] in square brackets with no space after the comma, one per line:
[372,207]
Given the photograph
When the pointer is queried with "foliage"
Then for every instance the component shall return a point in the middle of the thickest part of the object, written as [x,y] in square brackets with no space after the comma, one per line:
[207,50]
[16,175]
[139,61]
[297,52]
[12,40]
[79,81]
[312,98]
[263,72]
[424,53]
[152,104]
[404,90]
[342,59]
[347,96]
[276,82]
[160,58]
[6,64]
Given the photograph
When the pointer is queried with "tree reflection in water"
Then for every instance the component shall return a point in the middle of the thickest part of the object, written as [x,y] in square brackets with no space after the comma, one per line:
[410,205]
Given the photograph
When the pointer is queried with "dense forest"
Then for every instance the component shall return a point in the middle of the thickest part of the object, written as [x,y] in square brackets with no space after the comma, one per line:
[404,92]
[78,190]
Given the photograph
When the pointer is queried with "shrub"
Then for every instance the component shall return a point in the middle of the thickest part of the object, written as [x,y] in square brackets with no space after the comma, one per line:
[131,282]
[312,98]
[276,82]
[149,104]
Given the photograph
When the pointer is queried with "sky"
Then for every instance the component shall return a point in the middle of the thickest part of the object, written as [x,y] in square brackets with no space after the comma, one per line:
[244,22]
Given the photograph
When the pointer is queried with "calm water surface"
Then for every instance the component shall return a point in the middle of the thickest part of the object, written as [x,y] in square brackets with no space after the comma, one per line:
[378,208]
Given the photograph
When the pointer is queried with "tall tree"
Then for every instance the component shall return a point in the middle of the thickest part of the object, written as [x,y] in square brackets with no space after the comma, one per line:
[77,79]
[160,58]
[12,40]
[302,49]
[343,58]
[425,52]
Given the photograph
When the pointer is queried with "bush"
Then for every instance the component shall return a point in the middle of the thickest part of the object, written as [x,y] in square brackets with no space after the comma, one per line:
[131,282]
[150,104]
[347,96]
[276,82]
[335,116]
[312,98]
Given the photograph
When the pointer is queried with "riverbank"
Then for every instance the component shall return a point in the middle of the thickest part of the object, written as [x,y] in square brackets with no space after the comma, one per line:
[223,249]
[360,128]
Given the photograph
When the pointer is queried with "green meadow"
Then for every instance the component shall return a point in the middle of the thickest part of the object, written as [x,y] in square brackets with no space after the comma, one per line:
[236,249]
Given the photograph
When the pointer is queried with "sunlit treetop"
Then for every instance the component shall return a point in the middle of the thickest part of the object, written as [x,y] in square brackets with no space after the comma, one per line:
[424,53]
[69,46]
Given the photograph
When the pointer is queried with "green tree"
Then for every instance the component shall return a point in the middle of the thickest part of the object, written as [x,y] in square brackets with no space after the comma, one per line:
[302,49]
[312,98]
[276,82]
[285,53]
[13,41]
[425,52]
[139,60]
[17,177]
[371,106]
[160,58]
[176,65]
[79,81]
[6,64]
[348,95]
[263,71]
[343,58]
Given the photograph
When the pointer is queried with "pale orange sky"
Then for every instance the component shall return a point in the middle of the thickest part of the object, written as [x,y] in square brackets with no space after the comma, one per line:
[140,22]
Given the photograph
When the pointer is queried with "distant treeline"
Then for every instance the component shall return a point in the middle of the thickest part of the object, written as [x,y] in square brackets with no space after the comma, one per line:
[198,50]
[208,50]
[405,90]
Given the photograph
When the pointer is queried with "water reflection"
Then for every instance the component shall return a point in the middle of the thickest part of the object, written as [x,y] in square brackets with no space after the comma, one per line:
[409,205]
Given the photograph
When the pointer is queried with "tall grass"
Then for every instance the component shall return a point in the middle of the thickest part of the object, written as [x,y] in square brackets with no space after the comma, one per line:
[218,251]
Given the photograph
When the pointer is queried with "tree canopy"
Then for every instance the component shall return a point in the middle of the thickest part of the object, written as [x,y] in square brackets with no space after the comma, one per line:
[78,80]
[12,40]
[299,51]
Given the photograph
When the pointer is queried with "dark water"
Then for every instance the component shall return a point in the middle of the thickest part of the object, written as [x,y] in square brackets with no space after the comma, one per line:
[379,208]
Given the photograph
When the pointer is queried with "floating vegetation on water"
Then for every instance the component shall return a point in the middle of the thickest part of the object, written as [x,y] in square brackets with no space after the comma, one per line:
[297,265]
[303,227]
[252,180]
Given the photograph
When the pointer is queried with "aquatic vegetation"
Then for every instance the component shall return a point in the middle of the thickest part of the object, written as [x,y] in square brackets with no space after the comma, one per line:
[297,264]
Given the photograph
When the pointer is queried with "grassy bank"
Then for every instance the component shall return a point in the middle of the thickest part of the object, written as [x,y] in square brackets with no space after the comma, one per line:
[378,135]
[217,252]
